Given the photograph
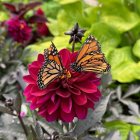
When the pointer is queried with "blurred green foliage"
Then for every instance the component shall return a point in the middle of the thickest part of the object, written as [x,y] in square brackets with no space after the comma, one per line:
[115,23]
[124,128]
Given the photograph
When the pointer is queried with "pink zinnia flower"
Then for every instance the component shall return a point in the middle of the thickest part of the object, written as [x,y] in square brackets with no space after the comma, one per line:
[62,99]
[19,30]
[40,12]
[42,28]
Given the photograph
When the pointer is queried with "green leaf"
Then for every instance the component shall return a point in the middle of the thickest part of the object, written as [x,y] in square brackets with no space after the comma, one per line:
[121,24]
[115,14]
[124,72]
[123,67]
[124,128]
[67,17]
[48,6]
[137,71]
[130,4]
[136,49]
[61,42]
[91,15]
[135,129]
[31,52]
[130,136]
[108,37]
[67,1]
[3,16]
[137,6]
[119,56]
[134,34]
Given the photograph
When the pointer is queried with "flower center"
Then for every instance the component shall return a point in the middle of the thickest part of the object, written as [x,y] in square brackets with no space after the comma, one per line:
[22,26]
[66,74]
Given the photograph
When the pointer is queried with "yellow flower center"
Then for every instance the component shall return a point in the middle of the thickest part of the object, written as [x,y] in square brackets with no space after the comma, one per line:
[66,75]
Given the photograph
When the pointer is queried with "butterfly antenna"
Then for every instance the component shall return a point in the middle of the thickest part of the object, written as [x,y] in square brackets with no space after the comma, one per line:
[52,44]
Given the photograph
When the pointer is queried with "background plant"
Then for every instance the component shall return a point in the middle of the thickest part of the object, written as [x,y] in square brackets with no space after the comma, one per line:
[116,24]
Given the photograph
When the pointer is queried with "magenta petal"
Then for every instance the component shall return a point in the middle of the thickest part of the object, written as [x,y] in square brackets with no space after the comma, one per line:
[40,58]
[53,98]
[83,76]
[90,104]
[28,89]
[44,98]
[65,56]
[16,32]
[94,97]
[81,112]
[87,87]
[33,104]
[97,81]
[52,107]
[74,90]
[66,105]
[34,72]
[73,56]
[29,79]
[38,92]
[53,86]
[29,98]
[52,117]
[63,93]
[43,109]
[35,64]
[80,99]
[43,112]
[67,117]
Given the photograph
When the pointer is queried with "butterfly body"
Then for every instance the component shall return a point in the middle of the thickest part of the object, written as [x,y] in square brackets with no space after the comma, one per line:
[75,67]
[89,59]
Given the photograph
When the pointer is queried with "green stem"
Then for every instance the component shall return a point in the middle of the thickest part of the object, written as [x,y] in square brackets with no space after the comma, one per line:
[73,44]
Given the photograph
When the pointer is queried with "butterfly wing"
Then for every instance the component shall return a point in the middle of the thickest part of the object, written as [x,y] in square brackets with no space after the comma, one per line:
[51,69]
[90,57]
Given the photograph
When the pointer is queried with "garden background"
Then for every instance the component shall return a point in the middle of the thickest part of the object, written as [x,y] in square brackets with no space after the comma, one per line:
[115,24]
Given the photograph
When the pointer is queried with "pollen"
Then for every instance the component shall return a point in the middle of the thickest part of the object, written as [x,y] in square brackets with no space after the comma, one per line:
[66,75]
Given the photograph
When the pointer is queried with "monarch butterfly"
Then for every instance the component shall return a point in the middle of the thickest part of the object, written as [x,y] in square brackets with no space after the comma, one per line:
[52,67]
[89,58]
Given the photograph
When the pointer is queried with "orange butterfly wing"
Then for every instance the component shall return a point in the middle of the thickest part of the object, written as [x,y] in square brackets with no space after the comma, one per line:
[90,57]
[51,69]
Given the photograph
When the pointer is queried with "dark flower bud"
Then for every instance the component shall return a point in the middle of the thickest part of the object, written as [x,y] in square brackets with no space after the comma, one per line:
[76,34]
